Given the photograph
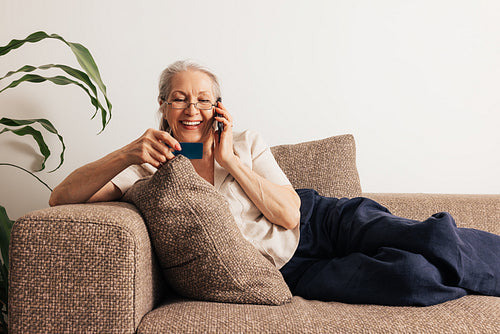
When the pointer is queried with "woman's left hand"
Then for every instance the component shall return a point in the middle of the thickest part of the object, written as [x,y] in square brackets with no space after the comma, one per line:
[280,204]
[223,152]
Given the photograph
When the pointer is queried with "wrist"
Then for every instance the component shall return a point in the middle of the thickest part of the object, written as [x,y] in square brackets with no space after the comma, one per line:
[119,159]
[233,166]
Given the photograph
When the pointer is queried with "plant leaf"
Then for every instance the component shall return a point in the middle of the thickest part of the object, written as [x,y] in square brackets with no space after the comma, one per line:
[4,286]
[45,123]
[5,228]
[25,68]
[82,54]
[37,135]
[4,298]
[3,290]
[15,43]
[88,64]
[27,171]
[58,80]
[76,73]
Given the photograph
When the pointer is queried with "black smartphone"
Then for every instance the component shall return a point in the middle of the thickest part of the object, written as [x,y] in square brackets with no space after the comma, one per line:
[219,125]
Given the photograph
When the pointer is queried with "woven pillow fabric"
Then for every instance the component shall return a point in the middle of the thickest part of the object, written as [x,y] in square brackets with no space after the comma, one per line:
[326,165]
[201,251]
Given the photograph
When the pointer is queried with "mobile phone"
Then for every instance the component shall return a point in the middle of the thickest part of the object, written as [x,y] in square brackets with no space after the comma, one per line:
[219,125]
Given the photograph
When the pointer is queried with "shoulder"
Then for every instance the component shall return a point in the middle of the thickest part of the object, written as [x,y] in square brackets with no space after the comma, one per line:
[246,135]
[255,153]
[251,140]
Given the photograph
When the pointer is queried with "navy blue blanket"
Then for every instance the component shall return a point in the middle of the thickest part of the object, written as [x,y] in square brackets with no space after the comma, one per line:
[356,251]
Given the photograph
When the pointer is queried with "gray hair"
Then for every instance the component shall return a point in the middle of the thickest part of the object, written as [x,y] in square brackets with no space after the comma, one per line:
[165,84]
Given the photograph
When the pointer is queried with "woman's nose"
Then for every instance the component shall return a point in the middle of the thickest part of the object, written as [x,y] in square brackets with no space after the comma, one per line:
[191,110]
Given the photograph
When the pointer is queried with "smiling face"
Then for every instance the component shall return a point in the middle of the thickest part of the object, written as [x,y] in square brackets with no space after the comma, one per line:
[190,124]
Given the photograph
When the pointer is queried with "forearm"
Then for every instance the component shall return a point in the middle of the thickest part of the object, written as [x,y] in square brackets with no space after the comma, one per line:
[87,180]
[279,204]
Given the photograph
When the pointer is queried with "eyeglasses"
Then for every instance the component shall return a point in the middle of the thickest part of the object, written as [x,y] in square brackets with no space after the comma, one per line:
[181,104]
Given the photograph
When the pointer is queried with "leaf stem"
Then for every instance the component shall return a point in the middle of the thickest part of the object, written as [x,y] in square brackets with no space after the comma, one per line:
[27,171]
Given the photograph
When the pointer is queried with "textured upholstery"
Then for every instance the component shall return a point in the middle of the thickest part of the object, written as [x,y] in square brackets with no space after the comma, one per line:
[470,314]
[89,268]
[474,211]
[201,250]
[327,165]
[81,268]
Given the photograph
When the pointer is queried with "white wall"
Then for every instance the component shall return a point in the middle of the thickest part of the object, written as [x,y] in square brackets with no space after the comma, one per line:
[416,82]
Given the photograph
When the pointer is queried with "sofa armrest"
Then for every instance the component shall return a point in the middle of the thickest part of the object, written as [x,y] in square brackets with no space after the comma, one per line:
[474,211]
[81,268]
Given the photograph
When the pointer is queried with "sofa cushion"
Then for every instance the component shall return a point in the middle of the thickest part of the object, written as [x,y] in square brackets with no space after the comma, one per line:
[327,165]
[469,314]
[201,251]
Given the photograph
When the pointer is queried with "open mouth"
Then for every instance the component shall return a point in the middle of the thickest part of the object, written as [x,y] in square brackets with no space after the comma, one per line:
[191,123]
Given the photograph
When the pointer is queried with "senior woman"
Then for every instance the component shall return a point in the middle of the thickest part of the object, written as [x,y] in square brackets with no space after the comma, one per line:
[261,198]
[347,250]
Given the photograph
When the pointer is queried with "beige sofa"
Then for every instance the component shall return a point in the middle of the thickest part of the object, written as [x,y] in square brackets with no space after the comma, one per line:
[90,268]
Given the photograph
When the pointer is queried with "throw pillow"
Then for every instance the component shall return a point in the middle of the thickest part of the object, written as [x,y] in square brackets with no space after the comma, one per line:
[201,251]
[326,165]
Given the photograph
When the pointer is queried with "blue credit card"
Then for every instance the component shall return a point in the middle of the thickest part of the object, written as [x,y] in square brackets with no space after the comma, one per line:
[191,150]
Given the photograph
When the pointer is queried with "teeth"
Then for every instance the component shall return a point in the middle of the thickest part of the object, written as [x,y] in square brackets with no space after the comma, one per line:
[191,123]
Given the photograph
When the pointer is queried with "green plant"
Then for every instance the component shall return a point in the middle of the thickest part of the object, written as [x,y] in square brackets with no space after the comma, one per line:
[5,227]
[87,80]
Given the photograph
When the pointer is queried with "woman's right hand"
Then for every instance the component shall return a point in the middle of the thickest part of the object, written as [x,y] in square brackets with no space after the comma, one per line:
[92,182]
[154,147]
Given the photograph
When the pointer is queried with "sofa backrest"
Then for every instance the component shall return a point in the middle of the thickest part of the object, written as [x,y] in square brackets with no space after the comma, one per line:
[326,165]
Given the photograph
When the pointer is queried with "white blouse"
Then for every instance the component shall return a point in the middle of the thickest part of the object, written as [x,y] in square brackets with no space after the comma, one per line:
[275,242]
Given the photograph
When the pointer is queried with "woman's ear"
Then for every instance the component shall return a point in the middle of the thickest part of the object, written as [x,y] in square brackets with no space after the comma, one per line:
[162,108]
